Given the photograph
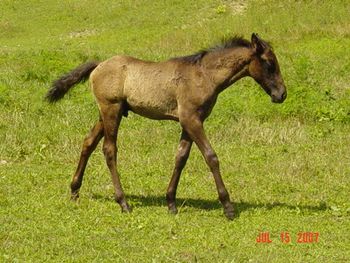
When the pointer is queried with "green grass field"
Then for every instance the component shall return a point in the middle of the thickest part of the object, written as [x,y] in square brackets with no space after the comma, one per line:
[287,167]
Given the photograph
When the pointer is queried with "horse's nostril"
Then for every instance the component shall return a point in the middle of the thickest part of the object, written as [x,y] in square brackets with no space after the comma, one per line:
[278,98]
[284,95]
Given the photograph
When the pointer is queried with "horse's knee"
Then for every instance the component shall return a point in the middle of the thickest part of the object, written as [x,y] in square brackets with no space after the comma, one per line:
[183,149]
[212,158]
[182,155]
[181,159]
[109,151]
[87,146]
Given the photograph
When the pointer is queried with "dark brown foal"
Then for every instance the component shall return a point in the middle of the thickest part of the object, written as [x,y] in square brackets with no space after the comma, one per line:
[182,89]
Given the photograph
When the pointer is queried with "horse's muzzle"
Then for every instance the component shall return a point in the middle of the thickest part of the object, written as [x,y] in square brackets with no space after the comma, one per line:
[279,98]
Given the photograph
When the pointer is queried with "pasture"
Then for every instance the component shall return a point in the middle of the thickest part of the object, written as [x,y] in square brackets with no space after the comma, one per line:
[286,166]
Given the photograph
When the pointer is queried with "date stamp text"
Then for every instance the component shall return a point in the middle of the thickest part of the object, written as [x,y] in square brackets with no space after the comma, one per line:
[286,238]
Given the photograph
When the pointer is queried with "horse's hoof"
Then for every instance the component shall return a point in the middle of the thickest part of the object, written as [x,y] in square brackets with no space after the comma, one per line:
[126,209]
[173,210]
[229,213]
[74,196]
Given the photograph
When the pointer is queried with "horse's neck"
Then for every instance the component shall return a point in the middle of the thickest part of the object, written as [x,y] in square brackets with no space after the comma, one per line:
[227,66]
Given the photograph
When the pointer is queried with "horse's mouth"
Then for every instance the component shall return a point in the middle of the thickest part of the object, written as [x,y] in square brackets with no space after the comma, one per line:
[279,99]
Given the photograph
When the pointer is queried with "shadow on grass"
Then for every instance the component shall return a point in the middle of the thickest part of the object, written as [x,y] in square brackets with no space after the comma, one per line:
[159,201]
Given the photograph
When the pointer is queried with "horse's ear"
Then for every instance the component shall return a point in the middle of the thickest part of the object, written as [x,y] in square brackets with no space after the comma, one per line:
[257,44]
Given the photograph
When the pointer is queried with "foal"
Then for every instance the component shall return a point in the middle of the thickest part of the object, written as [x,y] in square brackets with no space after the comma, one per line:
[183,89]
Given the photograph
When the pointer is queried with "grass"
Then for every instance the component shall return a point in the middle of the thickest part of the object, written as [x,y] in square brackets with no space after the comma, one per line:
[286,166]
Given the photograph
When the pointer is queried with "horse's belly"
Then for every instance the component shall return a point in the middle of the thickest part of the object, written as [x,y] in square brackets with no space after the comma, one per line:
[153,103]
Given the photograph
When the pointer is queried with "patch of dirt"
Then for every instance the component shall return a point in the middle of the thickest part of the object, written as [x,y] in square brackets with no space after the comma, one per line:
[3,162]
[84,33]
[237,7]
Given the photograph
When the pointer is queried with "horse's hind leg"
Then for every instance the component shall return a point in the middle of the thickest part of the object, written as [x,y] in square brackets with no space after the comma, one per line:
[181,158]
[111,115]
[89,145]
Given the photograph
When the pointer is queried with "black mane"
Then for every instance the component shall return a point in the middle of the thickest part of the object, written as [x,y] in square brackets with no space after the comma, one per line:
[232,42]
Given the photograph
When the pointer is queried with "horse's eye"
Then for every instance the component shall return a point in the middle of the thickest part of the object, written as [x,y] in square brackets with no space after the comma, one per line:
[271,67]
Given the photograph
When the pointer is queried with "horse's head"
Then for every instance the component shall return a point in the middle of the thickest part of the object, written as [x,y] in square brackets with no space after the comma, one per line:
[265,70]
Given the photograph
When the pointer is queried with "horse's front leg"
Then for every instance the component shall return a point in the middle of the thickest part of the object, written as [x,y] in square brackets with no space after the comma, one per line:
[180,161]
[194,127]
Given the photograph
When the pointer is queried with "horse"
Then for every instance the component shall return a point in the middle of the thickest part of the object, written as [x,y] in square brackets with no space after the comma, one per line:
[182,89]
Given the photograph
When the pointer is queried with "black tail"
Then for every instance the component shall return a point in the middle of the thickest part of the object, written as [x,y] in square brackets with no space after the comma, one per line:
[61,86]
